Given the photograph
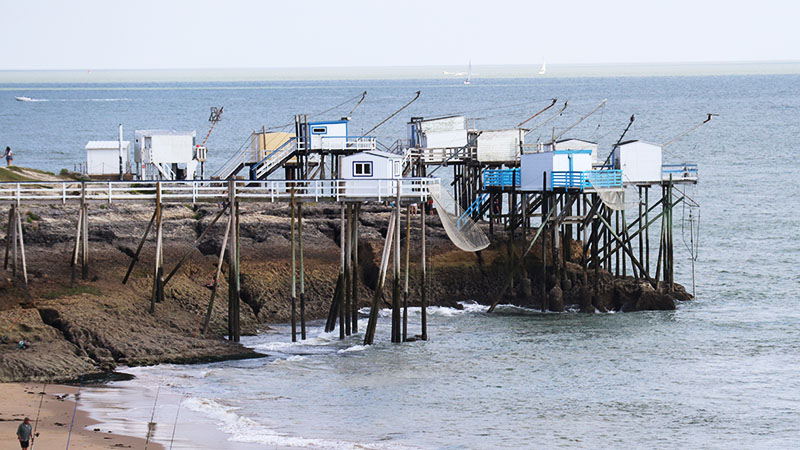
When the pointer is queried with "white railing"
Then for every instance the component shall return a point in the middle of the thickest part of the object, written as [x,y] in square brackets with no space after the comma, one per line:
[276,157]
[439,155]
[350,143]
[411,189]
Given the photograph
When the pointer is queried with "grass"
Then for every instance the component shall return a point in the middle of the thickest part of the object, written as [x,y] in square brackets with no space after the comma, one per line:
[66,291]
[32,216]
[12,174]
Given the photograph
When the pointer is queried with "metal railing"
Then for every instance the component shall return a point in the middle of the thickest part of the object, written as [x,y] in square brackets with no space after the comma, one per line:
[354,143]
[586,180]
[439,155]
[411,189]
[475,207]
[501,178]
[265,166]
[679,172]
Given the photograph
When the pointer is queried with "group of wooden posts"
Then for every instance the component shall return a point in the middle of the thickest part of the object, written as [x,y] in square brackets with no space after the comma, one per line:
[344,306]
[608,240]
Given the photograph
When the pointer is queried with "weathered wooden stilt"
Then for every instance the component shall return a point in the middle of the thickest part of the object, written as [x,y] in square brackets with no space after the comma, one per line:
[85,226]
[215,281]
[302,271]
[424,281]
[369,334]
[9,233]
[646,230]
[76,248]
[135,258]
[294,272]
[157,271]
[21,240]
[348,260]
[195,244]
[236,258]
[15,239]
[342,295]
[396,337]
[354,268]
[405,286]
[545,207]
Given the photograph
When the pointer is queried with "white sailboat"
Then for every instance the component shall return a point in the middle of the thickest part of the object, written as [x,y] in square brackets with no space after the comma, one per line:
[469,74]
[543,70]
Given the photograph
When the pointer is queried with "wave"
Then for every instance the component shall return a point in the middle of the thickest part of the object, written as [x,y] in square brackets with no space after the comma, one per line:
[244,429]
[36,100]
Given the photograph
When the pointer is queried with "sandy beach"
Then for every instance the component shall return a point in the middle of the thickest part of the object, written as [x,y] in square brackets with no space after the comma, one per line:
[18,400]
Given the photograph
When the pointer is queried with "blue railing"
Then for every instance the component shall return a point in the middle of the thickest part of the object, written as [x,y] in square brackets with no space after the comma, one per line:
[679,172]
[473,208]
[582,180]
[501,178]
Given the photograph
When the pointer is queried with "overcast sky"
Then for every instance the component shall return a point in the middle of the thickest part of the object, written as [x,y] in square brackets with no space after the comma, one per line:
[166,34]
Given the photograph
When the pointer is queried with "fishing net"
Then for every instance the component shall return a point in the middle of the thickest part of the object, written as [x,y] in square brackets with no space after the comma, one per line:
[469,237]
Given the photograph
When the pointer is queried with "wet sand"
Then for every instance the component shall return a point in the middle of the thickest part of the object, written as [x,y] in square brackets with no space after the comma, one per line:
[18,400]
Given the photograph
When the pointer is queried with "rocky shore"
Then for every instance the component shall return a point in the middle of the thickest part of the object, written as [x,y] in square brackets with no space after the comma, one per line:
[90,327]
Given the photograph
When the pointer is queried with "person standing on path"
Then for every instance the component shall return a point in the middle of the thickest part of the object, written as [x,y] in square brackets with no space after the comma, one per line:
[24,433]
[9,155]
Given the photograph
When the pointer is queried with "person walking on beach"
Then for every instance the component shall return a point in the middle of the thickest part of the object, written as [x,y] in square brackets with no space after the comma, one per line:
[24,433]
[9,155]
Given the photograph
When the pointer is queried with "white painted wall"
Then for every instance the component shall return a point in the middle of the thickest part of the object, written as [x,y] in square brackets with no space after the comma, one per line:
[532,165]
[334,136]
[383,166]
[639,161]
[501,146]
[444,139]
[102,158]
[578,144]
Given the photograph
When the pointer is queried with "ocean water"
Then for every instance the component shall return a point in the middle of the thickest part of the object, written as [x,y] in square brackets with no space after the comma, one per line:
[718,372]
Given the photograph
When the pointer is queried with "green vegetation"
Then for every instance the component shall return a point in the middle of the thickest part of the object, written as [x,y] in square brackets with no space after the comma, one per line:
[32,216]
[66,291]
[12,174]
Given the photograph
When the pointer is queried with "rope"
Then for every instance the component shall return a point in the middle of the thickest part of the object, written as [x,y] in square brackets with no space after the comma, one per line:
[36,424]
[75,410]
[175,425]
[361,95]
[152,416]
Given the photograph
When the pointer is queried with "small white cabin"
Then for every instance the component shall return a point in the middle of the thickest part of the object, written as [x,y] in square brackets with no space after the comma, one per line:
[500,146]
[330,135]
[639,161]
[373,164]
[162,154]
[102,157]
[444,132]
[567,165]
[578,144]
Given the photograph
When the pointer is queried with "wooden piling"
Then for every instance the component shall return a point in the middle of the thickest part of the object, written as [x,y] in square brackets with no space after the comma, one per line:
[8,235]
[405,286]
[135,258]
[215,282]
[424,281]
[157,271]
[348,260]
[294,272]
[234,332]
[342,300]
[85,226]
[545,207]
[76,249]
[354,267]
[21,240]
[302,271]
[369,334]
[396,275]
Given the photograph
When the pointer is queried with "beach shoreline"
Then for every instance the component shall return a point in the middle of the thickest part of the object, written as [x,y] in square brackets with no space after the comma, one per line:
[20,400]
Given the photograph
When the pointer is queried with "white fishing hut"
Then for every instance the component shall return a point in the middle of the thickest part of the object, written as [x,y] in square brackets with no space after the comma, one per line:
[103,158]
[500,146]
[444,132]
[373,164]
[577,144]
[639,161]
[564,168]
[166,155]
[328,135]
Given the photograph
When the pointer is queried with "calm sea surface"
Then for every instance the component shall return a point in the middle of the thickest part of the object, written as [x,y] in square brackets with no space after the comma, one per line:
[719,372]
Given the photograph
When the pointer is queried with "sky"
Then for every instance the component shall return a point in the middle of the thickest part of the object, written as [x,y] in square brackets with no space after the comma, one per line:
[166,34]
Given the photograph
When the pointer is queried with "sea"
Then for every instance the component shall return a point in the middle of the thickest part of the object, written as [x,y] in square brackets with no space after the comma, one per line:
[721,371]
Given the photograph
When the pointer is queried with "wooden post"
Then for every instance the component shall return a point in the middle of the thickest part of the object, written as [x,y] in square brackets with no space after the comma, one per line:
[302,272]
[76,249]
[646,230]
[342,299]
[8,235]
[396,277]
[369,334]
[405,287]
[194,246]
[348,259]
[85,226]
[294,273]
[545,207]
[424,281]
[233,269]
[135,258]
[15,238]
[354,267]
[671,247]
[157,271]
[595,256]
[22,248]
[215,282]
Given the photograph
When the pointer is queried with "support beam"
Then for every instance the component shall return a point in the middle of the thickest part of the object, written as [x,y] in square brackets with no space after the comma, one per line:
[215,282]
[405,285]
[369,334]
[396,336]
[302,272]
[348,260]
[424,281]
[195,244]
[342,294]
[354,267]
[158,272]
[294,271]
[135,258]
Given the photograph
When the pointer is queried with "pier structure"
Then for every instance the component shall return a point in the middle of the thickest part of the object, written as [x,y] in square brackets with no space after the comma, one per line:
[229,194]
[555,194]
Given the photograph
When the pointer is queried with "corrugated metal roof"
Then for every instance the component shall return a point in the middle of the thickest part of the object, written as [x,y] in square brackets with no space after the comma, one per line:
[106,145]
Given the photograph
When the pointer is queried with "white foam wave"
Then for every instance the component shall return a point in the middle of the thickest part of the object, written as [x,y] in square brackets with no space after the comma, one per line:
[243,429]
[354,348]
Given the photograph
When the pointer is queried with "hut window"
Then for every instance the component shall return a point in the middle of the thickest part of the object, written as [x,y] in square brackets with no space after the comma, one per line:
[362,169]
[319,130]
[396,165]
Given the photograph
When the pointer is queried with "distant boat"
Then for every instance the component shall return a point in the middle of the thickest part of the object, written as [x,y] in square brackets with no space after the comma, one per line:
[23,99]
[543,69]
[469,74]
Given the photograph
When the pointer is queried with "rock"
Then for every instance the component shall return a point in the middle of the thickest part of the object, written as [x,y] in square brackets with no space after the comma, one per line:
[654,301]
[556,299]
